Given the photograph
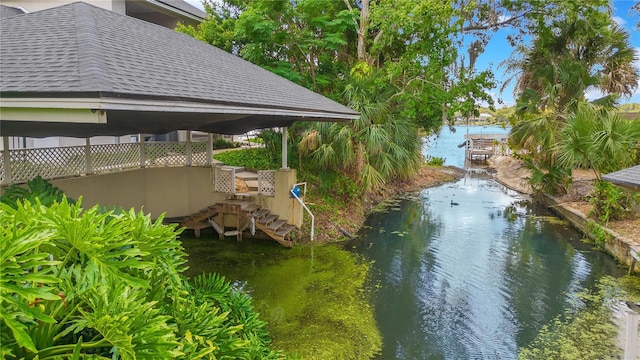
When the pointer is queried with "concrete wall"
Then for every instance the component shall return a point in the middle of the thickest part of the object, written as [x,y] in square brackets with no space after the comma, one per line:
[624,250]
[282,204]
[176,191]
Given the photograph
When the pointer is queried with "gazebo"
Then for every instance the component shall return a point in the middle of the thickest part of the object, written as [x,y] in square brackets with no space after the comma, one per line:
[81,71]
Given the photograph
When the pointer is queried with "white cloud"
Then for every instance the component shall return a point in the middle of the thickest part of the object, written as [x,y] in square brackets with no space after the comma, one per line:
[620,21]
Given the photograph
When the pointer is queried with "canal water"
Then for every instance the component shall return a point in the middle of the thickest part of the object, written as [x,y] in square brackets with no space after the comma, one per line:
[476,279]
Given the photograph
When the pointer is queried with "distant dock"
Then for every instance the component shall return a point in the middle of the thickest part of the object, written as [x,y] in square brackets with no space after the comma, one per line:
[483,146]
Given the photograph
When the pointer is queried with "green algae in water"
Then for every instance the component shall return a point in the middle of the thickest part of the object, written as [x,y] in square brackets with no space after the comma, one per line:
[312,297]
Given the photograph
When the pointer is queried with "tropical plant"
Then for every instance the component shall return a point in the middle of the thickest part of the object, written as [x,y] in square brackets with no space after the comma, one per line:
[86,283]
[378,146]
[35,188]
[609,202]
[597,138]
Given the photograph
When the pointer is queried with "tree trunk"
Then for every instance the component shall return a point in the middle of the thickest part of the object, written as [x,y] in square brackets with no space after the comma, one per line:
[362,31]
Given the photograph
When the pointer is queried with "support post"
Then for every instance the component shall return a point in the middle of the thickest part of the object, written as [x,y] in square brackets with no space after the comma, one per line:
[209,149]
[284,148]
[6,154]
[143,151]
[87,156]
[188,149]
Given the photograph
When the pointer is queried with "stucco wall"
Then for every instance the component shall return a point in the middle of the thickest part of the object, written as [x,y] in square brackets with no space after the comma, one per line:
[177,191]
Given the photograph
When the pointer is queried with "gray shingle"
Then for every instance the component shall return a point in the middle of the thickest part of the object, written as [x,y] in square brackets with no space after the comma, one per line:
[78,48]
[7,11]
[628,177]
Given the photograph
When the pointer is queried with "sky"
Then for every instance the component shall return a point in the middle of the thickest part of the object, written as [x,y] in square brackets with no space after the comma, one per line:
[498,50]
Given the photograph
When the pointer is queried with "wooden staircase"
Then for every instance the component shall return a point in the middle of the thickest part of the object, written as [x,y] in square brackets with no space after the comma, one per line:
[247,213]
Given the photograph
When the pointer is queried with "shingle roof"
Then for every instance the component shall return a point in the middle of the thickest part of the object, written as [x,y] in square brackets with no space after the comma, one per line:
[185,6]
[627,177]
[79,49]
[6,11]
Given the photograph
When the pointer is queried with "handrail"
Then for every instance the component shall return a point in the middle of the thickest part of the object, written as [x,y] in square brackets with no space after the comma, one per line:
[293,193]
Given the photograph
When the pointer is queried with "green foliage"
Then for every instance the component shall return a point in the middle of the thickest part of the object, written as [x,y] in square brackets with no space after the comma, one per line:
[253,159]
[435,161]
[223,144]
[554,180]
[272,141]
[586,333]
[86,283]
[36,188]
[379,146]
[609,202]
[597,138]
[598,233]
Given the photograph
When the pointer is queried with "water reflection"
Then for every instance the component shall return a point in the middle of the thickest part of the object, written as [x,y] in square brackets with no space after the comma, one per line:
[472,281]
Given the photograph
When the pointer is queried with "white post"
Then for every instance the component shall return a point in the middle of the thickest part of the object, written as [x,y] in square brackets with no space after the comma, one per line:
[284,148]
[87,156]
[209,149]
[7,160]
[143,153]
[631,336]
[188,149]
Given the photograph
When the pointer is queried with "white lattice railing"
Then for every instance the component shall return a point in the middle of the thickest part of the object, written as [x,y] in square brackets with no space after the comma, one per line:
[58,162]
[199,154]
[50,163]
[113,157]
[224,179]
[267,182]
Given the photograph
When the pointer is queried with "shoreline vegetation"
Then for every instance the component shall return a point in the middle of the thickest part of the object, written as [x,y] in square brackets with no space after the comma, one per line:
[332,224]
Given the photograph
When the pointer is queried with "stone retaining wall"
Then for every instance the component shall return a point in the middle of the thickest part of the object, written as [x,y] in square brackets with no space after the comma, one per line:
[620,247]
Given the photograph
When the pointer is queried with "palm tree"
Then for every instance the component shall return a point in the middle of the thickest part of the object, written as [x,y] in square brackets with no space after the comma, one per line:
[572,56]
[374,148]
[599,139]
[568,57]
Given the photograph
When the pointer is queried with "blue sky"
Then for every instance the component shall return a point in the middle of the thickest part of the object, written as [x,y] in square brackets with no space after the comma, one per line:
[498,50]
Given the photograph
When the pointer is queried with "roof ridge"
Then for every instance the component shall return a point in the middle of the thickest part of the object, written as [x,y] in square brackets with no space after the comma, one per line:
[91,64]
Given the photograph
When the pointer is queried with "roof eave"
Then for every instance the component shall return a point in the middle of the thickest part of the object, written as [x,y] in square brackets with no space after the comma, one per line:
[176,10]
[10,105]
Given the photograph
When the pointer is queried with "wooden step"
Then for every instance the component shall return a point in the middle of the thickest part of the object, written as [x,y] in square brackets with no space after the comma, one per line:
[285,230]
[252,185]
[251,208]
[260,213]
[276,225]
[247,175]
[267,219]
[238,169]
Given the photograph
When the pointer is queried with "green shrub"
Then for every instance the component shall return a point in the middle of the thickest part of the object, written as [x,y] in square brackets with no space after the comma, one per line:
[78,283]
[609,202]
[252,159]
[554,180]
[35,188]
[435,161]
[223,144]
